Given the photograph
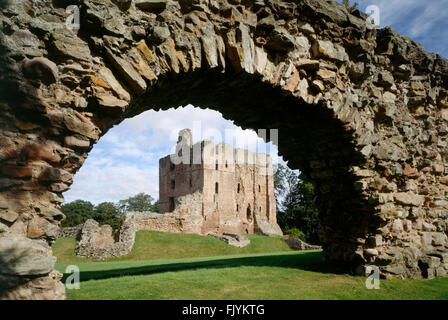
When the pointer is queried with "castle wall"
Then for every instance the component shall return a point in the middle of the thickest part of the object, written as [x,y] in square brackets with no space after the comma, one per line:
[187,179]
[236,186]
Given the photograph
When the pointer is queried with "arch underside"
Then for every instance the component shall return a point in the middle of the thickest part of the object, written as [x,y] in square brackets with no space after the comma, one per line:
[361,113]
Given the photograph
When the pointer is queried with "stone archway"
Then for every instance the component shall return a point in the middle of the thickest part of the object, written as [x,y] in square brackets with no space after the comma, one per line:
[362,113]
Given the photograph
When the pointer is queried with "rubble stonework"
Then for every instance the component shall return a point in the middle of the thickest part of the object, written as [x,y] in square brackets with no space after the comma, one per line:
[361,112]
[298,244]
[70,232]
[236,186]
[98,243]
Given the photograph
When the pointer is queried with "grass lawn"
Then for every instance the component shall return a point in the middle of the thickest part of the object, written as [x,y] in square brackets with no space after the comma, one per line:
[153,245]
[287,275]
[195,267]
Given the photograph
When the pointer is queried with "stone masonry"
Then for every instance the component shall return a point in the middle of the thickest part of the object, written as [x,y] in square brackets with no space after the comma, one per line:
[236,186]
[363,113]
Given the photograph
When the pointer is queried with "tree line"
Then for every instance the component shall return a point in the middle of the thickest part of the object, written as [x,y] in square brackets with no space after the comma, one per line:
[112,213]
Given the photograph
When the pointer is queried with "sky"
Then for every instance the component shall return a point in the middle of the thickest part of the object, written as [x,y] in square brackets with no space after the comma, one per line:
[125,161]
[425,21]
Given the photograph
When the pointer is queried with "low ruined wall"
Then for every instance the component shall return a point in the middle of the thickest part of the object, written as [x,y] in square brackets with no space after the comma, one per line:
[98,243]
[297,244]
[70,232]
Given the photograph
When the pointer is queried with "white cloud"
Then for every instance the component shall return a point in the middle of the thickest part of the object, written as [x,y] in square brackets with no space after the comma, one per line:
[112,183]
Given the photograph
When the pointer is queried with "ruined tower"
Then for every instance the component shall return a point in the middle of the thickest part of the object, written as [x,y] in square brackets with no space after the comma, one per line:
[236,186]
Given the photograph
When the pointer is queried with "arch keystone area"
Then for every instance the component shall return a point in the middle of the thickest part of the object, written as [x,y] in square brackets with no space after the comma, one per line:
[362,113]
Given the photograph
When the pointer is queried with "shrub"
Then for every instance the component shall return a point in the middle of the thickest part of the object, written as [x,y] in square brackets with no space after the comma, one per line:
[296,233]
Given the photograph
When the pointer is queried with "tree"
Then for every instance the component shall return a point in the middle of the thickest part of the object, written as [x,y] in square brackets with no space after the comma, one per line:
[77,212]
[348,6]
[297,213]
[285,181]
[109,213]
[156,206]
[141,202]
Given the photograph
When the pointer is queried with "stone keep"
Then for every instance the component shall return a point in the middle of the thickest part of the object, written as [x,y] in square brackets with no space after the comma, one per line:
[236,186]
[362,113]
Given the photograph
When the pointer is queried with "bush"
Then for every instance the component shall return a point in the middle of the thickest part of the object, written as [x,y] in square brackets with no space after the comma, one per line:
[296,233]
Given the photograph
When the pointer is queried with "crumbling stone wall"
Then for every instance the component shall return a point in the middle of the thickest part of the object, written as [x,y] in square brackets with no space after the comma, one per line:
[99,243]
[70,232]
[362,113]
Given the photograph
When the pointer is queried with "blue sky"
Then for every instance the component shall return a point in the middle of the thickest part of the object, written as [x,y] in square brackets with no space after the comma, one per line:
[425,21]
[125,160]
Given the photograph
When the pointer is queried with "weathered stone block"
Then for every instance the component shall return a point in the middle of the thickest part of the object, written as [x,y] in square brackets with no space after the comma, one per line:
[17,171]
[56,175]
[41,69]
[75,142]
[439,239]
[131,76]
[429,262]
[8,215]
[409,199]
[329,50]
[22,256]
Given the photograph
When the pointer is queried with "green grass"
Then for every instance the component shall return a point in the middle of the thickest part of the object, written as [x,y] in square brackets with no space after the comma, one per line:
[180,266]
[64,250]
[153,245]
[287,275]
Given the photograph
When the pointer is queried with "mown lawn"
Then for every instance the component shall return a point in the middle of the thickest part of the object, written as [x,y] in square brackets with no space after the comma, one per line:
[180,266]
[287,275]
[153,245]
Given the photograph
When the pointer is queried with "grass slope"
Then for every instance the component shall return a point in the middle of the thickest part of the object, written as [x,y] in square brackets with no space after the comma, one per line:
[153,245]
[287,275]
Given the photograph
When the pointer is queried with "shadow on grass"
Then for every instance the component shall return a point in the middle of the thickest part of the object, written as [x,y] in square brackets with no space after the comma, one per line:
[309,261]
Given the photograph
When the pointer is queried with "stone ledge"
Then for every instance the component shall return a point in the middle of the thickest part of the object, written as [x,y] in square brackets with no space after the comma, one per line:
[235,240]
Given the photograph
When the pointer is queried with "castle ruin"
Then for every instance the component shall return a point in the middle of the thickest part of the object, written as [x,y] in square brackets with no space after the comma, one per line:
[235,187]
[363,114]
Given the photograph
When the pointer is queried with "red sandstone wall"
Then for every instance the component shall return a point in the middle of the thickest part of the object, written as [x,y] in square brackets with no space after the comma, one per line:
[224,210]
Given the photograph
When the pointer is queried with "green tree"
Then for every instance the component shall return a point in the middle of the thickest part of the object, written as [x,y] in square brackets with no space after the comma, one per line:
[296,209]
[285,180]
[109,213]
[141,202]
[156,206]
[77,212]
